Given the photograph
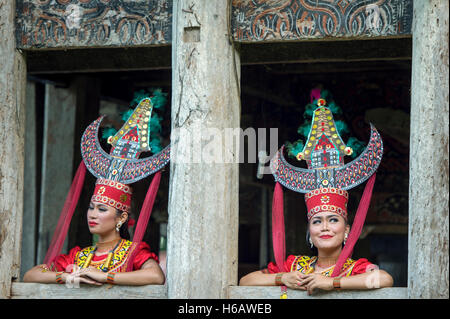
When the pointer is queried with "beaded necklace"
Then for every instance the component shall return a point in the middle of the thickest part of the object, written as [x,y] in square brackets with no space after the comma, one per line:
[107,262]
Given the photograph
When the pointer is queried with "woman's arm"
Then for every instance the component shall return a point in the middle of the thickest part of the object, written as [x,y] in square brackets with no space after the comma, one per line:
[372,279]
[41,274]
[259,278]
[149,274]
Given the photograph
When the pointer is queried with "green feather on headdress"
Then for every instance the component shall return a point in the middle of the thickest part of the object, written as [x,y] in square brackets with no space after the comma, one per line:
[158,99]
[305,128]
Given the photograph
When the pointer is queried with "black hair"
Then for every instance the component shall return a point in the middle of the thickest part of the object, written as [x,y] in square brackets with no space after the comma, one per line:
[123,231]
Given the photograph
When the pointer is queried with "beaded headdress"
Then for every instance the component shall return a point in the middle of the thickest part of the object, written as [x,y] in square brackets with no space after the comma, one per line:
[116,171]
[327,179]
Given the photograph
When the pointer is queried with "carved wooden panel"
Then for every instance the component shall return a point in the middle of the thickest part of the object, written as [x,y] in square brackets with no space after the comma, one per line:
[260,20]
[92,23]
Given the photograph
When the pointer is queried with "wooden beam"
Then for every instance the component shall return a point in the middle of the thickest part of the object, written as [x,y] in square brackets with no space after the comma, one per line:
[247,292]
[94,23]
[283,20]
[203,200]
[428,260]
[12,137]
[91,60]
[395,49]
[22,290]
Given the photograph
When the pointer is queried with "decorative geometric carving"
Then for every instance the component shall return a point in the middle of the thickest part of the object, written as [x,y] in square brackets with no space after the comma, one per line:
[91,23]
[260,20]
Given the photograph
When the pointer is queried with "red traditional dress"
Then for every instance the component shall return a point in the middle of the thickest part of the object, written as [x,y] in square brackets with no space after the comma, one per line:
[119,261]
[305,263]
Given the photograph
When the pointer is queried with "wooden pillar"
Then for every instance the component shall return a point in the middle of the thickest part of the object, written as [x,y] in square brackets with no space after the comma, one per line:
[203,200]
[28,253]
[428,262]
[57,160]
[12,126]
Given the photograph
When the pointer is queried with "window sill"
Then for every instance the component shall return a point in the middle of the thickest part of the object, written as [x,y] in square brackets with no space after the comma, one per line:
[21,290]
[257,292]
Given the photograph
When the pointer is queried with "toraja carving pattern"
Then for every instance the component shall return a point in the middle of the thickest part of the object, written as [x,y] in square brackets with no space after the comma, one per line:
[103,23]
[259,20]
[91,23]
[303,180]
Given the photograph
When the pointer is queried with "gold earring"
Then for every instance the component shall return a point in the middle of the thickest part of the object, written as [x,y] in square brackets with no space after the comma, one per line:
[119,224]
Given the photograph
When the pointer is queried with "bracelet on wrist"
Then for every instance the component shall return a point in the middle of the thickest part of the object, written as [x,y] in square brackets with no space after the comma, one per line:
[58,278]
[337,283]
[278,279]
[110,278]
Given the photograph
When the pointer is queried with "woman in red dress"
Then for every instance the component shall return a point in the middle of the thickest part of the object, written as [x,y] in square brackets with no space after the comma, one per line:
[106,261]
[114,259]
[325,183]
[327,233]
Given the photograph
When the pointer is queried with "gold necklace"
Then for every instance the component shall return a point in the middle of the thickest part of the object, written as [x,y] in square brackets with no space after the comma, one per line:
[107,262]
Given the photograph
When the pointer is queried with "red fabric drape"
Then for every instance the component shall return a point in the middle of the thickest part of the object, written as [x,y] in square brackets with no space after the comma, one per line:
[144,216]
[66,215]
[278,228]
[357,226]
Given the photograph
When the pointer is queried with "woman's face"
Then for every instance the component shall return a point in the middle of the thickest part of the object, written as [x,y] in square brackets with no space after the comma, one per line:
[102,219]
[327,230]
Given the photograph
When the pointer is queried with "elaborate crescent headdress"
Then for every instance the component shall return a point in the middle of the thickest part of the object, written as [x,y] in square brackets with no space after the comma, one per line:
[114,172]
[326,180]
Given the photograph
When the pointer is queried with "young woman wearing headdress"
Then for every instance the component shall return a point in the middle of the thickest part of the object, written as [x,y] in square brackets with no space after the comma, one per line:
[114,259]
[325,183]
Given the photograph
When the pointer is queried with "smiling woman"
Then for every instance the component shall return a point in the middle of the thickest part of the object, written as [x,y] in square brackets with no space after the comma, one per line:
[325,184]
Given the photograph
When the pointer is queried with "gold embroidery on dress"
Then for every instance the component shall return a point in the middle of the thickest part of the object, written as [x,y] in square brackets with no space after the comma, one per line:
[304,263]
[119,257]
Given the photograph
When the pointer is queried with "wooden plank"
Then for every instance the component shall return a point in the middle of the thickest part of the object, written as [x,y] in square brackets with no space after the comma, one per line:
[330,50]
[428,260]
[57,160]
[289,20]
[203,200]
[92,23]
[22,290]
[92,60]
[12,137]
[254,292]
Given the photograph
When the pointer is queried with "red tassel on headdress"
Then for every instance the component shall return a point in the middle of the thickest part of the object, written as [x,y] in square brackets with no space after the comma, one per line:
[65,217]
[357,226]
[278,232]
[144,217]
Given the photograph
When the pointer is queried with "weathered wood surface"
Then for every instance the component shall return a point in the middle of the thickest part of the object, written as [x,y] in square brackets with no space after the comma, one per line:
[268,20]
[28,253]
[428,260]
[247,292]
[22,290]
[43,24]
[12,128]
[92,23]
[57,160]
[203,200]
